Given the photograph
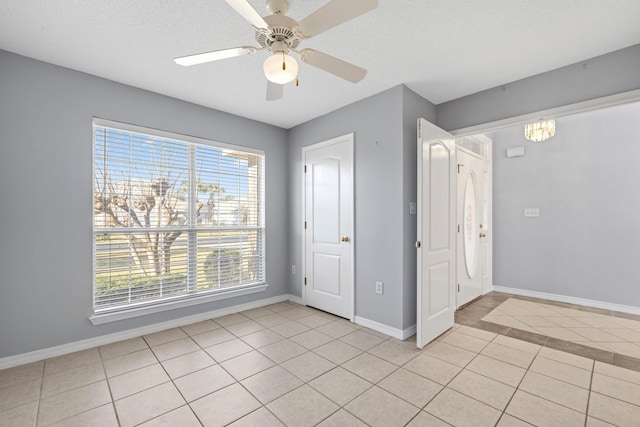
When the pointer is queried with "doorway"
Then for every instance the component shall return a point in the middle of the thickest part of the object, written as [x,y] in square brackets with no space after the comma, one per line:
[454,192]
[473,200]
[328,242]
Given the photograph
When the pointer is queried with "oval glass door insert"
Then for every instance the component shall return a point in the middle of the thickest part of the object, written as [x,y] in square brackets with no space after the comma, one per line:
[470,225]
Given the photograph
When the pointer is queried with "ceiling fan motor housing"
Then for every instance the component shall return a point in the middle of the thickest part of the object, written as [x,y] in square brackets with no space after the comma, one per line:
[280,30]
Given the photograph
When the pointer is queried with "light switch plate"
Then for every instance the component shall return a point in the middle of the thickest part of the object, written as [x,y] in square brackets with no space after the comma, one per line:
[531,211]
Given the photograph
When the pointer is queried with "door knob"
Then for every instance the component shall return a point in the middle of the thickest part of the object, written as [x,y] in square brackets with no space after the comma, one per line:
[483,235]
[345,239]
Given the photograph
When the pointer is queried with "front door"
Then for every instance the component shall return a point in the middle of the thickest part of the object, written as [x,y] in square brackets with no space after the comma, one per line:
[471,225]
[328,214]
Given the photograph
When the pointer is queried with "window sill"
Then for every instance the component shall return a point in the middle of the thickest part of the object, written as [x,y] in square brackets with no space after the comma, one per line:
[102,318]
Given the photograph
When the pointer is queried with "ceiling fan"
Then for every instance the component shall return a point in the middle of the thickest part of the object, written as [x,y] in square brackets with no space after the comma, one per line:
[280,35]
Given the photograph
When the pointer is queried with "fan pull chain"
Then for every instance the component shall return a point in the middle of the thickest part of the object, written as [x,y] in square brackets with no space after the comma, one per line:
[284,65]
[296,82]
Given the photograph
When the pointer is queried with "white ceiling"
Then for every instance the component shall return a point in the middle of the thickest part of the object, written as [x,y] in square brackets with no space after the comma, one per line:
[441,49]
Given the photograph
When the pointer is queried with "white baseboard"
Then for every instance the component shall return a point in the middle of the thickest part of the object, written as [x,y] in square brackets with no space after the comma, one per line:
[295,299]
[46,353]
[401,334]
[571,300]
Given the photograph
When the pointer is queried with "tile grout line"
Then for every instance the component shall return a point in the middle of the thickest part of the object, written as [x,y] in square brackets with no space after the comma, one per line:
[262,405]
[228,373]
[424,408]
[171,380]
[40,393]
[106,379]
[518,386]
[307,383]
[586,411]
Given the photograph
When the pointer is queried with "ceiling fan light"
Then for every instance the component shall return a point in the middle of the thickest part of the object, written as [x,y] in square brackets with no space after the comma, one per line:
[274,70]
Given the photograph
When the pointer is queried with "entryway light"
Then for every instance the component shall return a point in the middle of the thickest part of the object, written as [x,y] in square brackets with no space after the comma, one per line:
[540,131]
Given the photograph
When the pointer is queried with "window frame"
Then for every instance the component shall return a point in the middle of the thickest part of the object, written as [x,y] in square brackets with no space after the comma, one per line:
[134,309]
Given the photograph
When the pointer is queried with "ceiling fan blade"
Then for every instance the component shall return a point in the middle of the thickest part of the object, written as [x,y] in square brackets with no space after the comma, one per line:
[200,58]
[274,91]
[333,14]
[248,12]
[333,65]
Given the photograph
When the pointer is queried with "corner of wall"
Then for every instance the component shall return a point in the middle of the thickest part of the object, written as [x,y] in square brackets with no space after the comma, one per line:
[413,107]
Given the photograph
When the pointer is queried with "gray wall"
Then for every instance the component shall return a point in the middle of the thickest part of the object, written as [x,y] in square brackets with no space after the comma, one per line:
[385,168]
[46,197]
[45,164]
[584,180]
[413,107]
[609,74]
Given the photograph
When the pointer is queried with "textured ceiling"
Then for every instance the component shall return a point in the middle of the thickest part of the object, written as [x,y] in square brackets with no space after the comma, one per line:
[441,49]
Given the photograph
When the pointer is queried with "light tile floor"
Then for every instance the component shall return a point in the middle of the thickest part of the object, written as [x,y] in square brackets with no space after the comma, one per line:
[596,330]
[290,365]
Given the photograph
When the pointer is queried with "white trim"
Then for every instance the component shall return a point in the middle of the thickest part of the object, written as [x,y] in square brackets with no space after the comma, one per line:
[128,313]
[578,107]
[401,334]
[112,124]
[34,356]
[296,300]
[571,300]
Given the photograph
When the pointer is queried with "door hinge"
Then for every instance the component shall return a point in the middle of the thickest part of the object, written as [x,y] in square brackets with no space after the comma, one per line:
[458,228]
[459,166]
[305,225]
[458,287]
[418,244]
[305,168]
[305,281]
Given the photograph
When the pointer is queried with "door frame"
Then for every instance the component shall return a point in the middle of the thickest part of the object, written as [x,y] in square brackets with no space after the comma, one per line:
[349,137]
[487,283]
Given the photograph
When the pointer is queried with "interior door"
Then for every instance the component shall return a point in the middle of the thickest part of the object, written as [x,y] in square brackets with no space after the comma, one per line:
[471,226]
[328,240]
[436,232]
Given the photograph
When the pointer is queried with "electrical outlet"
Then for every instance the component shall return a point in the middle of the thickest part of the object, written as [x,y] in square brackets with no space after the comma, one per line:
[293,269]
[379,288]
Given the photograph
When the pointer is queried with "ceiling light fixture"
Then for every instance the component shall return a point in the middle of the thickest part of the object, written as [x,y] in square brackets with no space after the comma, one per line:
[540,130]
[280,68]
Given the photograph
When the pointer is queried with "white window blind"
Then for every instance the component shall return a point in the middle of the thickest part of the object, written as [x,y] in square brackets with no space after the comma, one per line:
[173,219]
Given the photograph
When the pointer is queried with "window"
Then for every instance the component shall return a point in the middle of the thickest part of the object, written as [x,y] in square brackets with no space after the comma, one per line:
[174,219]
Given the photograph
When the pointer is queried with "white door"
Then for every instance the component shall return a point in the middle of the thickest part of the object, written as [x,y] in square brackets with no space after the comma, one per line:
[471,222]
[328,214]
[436,232]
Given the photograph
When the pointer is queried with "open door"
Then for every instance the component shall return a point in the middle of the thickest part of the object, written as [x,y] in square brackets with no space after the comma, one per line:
[436,241]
